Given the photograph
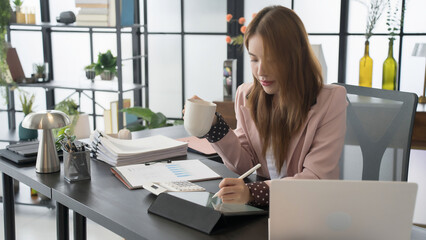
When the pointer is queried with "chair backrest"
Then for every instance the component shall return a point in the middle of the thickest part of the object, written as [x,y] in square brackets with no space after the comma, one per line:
[378,136]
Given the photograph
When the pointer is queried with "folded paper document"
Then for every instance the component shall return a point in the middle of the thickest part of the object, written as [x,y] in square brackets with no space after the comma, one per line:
[135,176]
[198,145]
[119,152]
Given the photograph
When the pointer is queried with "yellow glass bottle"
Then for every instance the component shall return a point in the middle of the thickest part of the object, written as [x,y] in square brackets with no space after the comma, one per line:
[389,69]
[366,68]
[33,192]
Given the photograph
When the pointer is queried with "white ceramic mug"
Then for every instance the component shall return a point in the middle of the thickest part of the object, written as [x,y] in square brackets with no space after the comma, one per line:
[199,115]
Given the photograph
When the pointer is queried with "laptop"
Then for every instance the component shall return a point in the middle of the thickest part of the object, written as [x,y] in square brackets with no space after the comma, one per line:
[339,209]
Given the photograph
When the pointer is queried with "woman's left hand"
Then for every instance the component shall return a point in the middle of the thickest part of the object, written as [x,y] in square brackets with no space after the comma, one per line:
[234,190]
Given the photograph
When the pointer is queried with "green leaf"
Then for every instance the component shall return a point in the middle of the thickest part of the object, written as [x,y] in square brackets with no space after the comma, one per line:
[144,113]
[135,127]
[158,120]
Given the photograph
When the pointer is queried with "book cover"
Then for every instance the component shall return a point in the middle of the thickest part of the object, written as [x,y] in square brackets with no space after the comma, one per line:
[91,1]
[127,13]
[97,11]
[229,79]
[91,5]
[15,66]
[115,112]
[92,17]
[107,121]
[111,13]
[92,23]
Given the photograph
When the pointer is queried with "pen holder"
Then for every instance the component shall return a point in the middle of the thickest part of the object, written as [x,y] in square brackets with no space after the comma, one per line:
[76,165]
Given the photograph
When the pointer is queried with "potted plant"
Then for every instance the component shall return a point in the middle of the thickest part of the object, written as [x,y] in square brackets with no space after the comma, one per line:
[20,16]
[106,66]
[79,126]
[152,119]
[27,102]
[5,77]
[90,71]
[40,74]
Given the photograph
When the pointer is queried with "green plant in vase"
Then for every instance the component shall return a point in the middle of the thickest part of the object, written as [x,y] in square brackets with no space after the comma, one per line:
[90,71]
[69,107]
[27,102]
[366,62]
[106,66]
[40,72]
[152,119]
[20,16]
[393,22]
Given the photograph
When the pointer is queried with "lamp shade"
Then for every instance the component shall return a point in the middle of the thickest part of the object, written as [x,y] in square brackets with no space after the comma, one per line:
[47,157]
[419,50]
[48,119]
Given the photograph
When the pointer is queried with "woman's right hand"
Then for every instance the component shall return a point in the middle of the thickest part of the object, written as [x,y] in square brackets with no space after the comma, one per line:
[183,111]
[196,97]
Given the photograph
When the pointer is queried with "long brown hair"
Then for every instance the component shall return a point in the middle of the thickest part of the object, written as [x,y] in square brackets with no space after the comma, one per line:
[289,55]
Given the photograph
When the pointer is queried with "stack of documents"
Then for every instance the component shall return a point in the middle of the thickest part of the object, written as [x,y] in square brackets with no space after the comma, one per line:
[120,152]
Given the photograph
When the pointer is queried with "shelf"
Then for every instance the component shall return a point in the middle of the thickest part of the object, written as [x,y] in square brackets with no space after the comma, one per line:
[24,27]
[86,85]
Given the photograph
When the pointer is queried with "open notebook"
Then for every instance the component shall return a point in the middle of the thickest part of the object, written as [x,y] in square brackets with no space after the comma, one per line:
[135,176]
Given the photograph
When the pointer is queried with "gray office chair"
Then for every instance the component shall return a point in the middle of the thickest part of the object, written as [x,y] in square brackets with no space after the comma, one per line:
[378,136]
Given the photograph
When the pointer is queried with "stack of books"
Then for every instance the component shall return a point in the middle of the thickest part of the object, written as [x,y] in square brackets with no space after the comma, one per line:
[121,152]
[94,12]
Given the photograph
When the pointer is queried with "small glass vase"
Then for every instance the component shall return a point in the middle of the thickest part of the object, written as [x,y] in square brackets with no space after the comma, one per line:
[366,68]
[389,69]
[41,72]
[91,74]
[20,15]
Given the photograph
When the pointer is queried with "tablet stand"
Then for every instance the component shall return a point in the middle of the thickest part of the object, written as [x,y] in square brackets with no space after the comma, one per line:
[187,213]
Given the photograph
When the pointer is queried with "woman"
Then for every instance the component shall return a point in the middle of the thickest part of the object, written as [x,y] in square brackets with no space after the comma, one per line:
[287,119]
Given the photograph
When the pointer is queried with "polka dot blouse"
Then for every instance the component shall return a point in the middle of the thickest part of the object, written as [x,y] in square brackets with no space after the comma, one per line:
[218,131]
[258,190]
[260,193]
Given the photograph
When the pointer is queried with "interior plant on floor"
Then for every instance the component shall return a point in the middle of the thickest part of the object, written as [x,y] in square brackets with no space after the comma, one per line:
[27,102]
[152,119]
[5,77]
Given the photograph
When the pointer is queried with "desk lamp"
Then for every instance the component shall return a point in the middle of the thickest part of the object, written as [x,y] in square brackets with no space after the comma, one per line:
[420,51]
[47,157]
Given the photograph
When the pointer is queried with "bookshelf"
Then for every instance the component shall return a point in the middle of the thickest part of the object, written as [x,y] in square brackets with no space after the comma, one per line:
[140,92]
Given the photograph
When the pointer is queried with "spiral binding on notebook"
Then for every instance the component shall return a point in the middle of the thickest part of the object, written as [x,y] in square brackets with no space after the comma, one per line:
[119,152]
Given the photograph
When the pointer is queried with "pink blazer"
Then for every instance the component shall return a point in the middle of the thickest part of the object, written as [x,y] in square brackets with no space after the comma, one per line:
[314,152]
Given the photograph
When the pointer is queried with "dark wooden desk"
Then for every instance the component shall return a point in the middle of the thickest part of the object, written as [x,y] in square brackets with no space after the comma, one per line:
[108,202]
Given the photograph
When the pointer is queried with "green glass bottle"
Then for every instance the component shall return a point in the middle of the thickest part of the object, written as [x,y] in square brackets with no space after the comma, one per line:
[389,69]
[366,68]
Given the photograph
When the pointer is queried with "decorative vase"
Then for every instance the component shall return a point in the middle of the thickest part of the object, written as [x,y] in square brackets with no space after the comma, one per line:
[107,75]
[20,16]
[26,134]
[366,68]
[389,69]
[90,74]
